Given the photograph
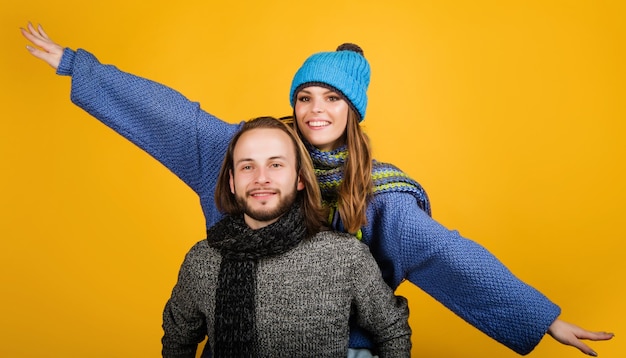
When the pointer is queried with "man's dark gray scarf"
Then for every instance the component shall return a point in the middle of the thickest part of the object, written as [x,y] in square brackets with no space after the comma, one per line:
[235,299]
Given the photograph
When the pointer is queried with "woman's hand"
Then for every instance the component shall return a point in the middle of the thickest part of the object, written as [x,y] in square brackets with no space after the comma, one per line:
[46,49]
[571,335]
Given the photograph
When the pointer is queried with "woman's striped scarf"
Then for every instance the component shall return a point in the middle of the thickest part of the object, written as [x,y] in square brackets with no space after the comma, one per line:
[386,177]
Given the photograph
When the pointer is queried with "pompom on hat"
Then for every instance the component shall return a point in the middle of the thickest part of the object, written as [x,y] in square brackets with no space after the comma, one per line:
[345,71]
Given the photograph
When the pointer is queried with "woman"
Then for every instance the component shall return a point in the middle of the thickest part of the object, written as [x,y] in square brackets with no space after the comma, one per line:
[405,241]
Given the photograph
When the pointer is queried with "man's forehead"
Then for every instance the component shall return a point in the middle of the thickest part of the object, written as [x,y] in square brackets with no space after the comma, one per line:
[264,143]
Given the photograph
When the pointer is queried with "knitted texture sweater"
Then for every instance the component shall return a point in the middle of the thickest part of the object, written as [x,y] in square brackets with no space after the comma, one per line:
[304,300]
[404,240]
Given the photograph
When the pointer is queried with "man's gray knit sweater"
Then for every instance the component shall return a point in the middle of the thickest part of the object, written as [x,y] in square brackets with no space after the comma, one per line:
[304,300]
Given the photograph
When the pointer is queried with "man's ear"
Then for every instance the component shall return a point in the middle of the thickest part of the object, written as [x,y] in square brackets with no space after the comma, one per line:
[231,181]
[300,185]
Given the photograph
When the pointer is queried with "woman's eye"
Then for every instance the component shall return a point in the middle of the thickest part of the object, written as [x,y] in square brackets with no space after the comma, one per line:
[303,99]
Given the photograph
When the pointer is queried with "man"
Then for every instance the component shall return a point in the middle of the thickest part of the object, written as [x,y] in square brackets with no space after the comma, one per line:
[270,280]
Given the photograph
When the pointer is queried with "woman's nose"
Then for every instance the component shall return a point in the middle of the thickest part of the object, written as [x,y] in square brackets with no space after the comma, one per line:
[318,106]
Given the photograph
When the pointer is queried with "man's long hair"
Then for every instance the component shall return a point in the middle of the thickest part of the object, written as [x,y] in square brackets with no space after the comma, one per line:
[314,214]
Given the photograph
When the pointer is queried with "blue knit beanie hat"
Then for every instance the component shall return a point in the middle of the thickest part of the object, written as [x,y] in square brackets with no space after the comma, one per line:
[345,71]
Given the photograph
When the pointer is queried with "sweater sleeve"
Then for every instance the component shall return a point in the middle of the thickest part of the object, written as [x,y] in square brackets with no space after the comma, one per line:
[174,130]
[461,274]
[378,310]
[184,325]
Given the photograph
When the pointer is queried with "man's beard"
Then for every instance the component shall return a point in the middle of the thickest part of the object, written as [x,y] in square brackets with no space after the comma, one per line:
[268,214]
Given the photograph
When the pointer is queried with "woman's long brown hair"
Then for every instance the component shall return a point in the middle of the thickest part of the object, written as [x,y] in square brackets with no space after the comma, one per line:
[357,186]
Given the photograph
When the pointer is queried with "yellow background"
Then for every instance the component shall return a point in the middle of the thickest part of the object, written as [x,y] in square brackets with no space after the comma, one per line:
[510,113]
